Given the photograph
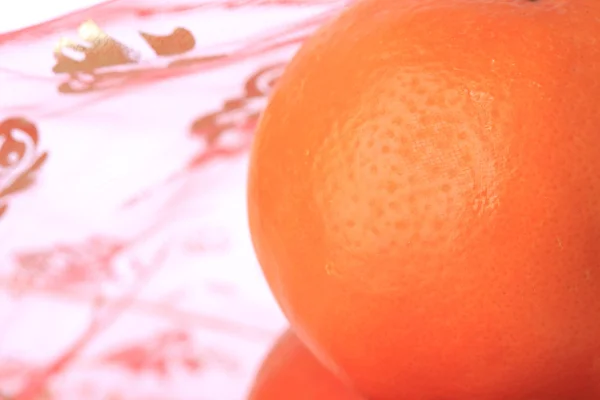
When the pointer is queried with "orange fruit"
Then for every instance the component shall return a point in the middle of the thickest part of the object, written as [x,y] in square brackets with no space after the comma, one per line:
[424,198]
[291,372]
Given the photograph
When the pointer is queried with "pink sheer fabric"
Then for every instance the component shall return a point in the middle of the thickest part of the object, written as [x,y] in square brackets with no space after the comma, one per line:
[126,267]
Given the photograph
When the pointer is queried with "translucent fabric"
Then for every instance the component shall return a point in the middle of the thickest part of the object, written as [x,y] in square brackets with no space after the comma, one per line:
[126,266]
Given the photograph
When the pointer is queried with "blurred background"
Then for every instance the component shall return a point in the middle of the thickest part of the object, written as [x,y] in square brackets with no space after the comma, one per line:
[126,267]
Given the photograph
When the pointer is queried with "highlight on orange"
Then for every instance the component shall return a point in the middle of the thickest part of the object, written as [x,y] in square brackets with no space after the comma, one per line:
[291,372]
[424,198]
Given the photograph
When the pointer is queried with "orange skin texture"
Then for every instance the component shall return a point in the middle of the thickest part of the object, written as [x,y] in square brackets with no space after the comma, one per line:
[424,198]
[291,372]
